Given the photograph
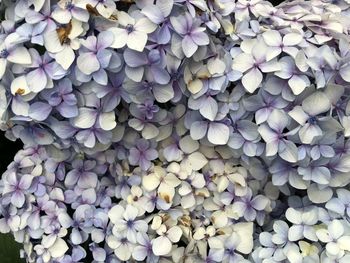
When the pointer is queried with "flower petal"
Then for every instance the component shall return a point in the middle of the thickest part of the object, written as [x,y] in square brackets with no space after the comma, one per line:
[161,246]
[252,80]
[218,133]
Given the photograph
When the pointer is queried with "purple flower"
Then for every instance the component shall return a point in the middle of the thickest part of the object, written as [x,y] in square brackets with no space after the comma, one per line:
[142,154]
[13,53]
[143,251]
[273,135]
[63,99]
[15,188]
[112,93]
[253,62]
[159,14]
[248,205]
[95,51]
[95,114]
[81,174]
[68,9]
[32,33]
[124,220]
[307,116]
[133,33]
[45,69]
[137,63]
[191,33]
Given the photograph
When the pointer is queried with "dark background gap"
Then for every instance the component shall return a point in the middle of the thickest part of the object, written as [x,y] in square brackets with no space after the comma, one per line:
[8,149]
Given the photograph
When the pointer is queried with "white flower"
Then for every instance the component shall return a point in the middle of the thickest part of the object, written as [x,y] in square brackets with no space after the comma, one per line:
[10,52]
[333,236]
[132,33]
[63,41]
[303,224]
[124,221]
[167,235]
[50,250]
[121,246]
[165,182]
[253,61]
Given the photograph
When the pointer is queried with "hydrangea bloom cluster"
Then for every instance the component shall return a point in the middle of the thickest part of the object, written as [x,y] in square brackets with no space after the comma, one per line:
[177,130]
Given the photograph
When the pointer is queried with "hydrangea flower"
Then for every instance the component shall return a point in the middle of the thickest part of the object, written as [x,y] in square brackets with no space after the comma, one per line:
[98,56]
[12,53]
[192,35]
[132,33]
[142,154]
[176,131]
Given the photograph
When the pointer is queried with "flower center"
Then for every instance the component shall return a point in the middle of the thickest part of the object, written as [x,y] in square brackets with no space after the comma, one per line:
[124,240]
[130,223]
[129,28]
[69,6]
[4,53]
[312,120]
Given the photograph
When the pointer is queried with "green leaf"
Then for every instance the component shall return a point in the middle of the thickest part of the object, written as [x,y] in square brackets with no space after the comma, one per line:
[9,249]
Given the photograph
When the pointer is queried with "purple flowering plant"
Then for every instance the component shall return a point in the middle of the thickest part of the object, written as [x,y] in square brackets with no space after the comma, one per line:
[177,130]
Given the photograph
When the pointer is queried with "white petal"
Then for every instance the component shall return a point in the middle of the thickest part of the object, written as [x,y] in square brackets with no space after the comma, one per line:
[323,235]
[345,73]
[20,107]
[123,252]
[65,57]
[243,62]
[88,63]
[107,120]
[188,145]
[335,205]
[3,64]
[336,229]
[37,80]
[161,246]
[319,196]
[272,38]
[292,39]
[216,66]
[332,249]
[163,93]
[293,216]
[137,40]
[20,86]
[209,109]
[218,133]
[86,118]
[297,84]
[344,243]
[52,42]
[116,213]
[62,16]
[145,25]
[150,182]
[59,248]
[197,161]
[188,46]
[195,86]
[316,103]
[290,152]
[252,80]
[174,234]
[295,232]
[298,115]
[20,56]
[308,132]
[245,232]
[120,37]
